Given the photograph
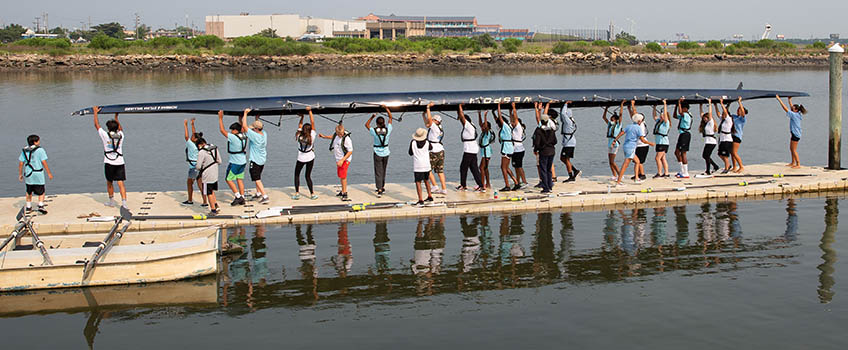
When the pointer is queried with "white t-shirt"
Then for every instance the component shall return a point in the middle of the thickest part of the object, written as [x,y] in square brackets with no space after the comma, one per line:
[517,135]
[309,155]
[434,135]
[337,148]
[639,142]
[469,133]
[709,129]
[726,130]
[421,157]
[112,158]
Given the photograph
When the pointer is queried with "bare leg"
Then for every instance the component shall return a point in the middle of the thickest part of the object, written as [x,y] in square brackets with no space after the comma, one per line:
[796,160]
[241,186]
[344,185]
[232,186]
[442,181]
[622,169]
[613,166]
[190,185]
[418,189]
[110,189]
[260,187]
[124,189]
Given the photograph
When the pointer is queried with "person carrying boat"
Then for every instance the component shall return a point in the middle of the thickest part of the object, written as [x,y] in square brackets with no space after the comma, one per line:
[641,147]
[32,164]
[631,133]
[795,113]
[191,158]
[505,138]
[684,124]
[257,143]
[381,134]
[569,141]
[613,129]
[708,129]
[739,120]
[518,137]
[419,150]
[469,153]
[113,157]
[305,137]
[485,143]
[544,147]
[662,124]
[725,135]
[435,134]
[342,147]
[237,150]
[549,123]
[208,159]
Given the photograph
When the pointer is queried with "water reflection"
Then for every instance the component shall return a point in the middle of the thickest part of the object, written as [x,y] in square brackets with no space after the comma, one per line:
[831,221]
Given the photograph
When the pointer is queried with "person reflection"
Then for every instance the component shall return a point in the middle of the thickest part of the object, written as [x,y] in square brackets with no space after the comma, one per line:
[470,243]
[428,246]
[382,250]
[705,227]
[659,234]
[628,243]
[343,261]
[826,268]
[487,244]
[640,222]
[544,258]
[260,261]
[566,244]
[510,235]
[791,233]
[306,252]
[681,224]
[240,269]
[611,225]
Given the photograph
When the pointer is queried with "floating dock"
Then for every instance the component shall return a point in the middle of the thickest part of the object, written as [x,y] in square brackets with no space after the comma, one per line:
[67,212]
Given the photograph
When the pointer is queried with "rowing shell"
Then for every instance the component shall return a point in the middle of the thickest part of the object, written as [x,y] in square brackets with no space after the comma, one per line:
[442,100]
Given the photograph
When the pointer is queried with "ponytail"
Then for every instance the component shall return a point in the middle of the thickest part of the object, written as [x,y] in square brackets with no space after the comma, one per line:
[801,109]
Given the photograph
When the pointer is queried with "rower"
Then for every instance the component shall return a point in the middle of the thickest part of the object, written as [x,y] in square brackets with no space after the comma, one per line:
[237,150]
[342,148]
[681,113]
[381,133]
[435,134]
[191,159]
[469,153]
[32,164]
[208,159]
[569,142]
[113,156]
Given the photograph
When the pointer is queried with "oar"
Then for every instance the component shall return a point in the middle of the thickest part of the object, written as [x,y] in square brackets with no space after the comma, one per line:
[39,244]
[188,217]
[113,236]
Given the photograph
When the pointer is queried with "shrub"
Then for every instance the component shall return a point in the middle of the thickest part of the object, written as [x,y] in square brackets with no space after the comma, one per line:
[104,42]
[486,40]
[600,43]
[766,44]
[714,44]
[61,43]
[206,42]
[561,48]
[511,44]
[166,42]
[263,46]
[744,45]
[653,47]
[818,45]
[687,45]
[785,45]
[621,43]
[732,50]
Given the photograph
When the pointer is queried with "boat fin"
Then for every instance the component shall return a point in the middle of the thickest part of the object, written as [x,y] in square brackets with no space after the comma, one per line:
[740,86]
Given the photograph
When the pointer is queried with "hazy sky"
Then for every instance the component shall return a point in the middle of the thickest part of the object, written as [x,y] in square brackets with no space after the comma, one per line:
[653,19]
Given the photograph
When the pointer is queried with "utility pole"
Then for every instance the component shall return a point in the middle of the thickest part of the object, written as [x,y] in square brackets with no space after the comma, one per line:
[37,24]
[136,26]
[46,26]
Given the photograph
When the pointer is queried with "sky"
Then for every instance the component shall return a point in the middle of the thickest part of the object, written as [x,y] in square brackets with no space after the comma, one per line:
[650,20]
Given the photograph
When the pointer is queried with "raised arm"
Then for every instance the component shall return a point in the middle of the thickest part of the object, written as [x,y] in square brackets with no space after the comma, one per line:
[679,107]
[368,122]
[632,108]
[299,124]
[499,119]
[480,117]
[96,110]
[311,117]
[723,111]
[786,109]
[244,120]
[221,124]
[547,107]
[665,111]
[389,113]
[461,114]
[654,111]
[185,128]
[121,127]
[428,117]
[740,111]
[538,107]
[606,110]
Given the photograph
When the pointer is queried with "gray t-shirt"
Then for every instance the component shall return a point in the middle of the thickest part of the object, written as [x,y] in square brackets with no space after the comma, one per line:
[205,161]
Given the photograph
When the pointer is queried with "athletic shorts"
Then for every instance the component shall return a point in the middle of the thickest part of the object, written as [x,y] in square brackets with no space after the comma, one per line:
[567,152]
[662,148]
[341,171]
[794,138]
[193,173]
[437,162]
[736,139]
[235,172]
[724,148]
[683,142]
[642,153]
[35,189]
[210,188]
[613,149]
[256,171]
[629,153]
[422,176]
[115,172]
[518,159]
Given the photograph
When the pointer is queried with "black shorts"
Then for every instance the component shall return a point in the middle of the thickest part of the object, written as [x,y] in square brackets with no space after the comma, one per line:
[794,138]
[567,152]
[517,159]
[724,148]
[662,148]
[256,171]
[211,187]
[736,139]
[683,142]
[642,153]
[422,176]
[35,189]
[115,172]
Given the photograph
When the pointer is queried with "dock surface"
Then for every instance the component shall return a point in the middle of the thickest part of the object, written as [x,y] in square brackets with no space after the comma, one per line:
[67,211]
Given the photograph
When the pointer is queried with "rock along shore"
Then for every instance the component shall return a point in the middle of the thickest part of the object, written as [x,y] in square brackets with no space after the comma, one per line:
[612,59]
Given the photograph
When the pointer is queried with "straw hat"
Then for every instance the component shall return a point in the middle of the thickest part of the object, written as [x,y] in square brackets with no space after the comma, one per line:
[420,134]
[257,125]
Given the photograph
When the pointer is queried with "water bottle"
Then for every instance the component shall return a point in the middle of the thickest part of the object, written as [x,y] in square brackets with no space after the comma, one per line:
[496,194]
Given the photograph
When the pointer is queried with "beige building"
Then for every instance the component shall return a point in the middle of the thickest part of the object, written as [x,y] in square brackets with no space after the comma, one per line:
[291,25]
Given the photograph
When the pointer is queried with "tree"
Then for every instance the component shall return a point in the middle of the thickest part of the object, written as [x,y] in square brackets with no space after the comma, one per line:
[142,31]
[654,47]
[185,31]
[11,33]
[269,33]
[818,45]
[511,44]
[486,40]
[61,32]
[714,44]
[631,39]
[113,29]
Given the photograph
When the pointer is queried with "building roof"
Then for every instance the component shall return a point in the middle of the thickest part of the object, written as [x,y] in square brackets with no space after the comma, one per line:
[395,18]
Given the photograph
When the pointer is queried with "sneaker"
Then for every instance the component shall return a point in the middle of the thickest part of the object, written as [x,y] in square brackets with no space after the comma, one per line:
[213,212]
[345,198]
[257,196]
[419,203]
[633,177]
[235,202]
[296,196]
[460,188]
[313,197]
[643,177]
[657,176]
[41,210]
[204,205]
[666,176]
[516,187]
[429,199]
[576,173]
[538,185]
[264,200]
[188,203]
[29,210]
[339,194]
[545,192]
[725,171]
[506,189]
[570,179]
[479,189]
[110,203]
[681,176]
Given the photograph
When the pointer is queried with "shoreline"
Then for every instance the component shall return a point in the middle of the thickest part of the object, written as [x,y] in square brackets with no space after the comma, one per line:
[610,60]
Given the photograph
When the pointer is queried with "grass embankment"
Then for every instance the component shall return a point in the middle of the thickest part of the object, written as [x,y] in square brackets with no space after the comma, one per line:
[265,46]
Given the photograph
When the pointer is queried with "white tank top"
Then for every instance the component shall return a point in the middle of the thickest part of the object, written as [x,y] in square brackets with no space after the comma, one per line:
[421,157]
[726,129]
[709,133]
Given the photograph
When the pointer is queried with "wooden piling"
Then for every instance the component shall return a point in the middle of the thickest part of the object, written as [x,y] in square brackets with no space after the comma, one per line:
[834,146]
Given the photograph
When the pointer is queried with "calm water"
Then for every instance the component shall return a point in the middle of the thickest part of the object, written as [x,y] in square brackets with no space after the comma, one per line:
[713,275]
[42,103]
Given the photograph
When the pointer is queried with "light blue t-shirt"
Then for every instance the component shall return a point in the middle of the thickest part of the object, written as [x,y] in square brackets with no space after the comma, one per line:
[506,140]
[257,146]
[191,154]
[486,139]
[31,174]
[685,122]
[795,123]
[661,129]
[613,129]
[381,151]
[235,144]
[632,133]
[738,125]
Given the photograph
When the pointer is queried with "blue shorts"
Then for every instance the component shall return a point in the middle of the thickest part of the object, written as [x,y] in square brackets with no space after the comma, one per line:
[235,172]
[629,152]
[193,173]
